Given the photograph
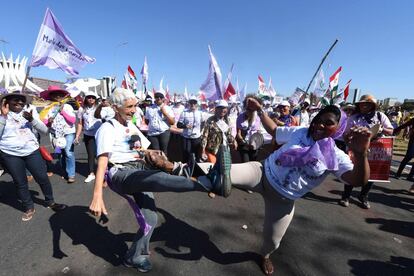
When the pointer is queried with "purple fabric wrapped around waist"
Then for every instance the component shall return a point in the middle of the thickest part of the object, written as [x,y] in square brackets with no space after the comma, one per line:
[134,206]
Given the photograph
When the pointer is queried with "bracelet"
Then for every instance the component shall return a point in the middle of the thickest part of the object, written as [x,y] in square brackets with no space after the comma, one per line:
[260,112]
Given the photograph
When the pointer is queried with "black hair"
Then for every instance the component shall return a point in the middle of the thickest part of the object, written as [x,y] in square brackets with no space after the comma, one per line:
[327,109]
[251,96]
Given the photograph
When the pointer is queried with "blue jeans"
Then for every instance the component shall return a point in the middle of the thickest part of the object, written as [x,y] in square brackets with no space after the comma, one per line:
[140,183]
[67,158]
[16,166]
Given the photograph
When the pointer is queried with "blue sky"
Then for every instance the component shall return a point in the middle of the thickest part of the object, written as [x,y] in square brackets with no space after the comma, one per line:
[282,39]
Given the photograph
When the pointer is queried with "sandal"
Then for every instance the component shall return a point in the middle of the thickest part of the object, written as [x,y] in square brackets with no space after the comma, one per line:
[267,266]
[28,215]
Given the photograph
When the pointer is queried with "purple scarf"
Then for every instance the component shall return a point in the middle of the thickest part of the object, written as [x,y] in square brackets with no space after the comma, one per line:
[323,151]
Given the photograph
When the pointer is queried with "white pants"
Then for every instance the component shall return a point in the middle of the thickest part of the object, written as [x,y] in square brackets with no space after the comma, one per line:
[278,210]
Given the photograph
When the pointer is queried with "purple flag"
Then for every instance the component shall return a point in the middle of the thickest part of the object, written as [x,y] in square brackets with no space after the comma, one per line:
[211,87]
[54,49]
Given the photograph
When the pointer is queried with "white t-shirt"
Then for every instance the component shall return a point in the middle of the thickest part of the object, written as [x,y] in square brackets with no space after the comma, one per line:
[157,122]
[17,138]
[194,118]
[304,119]
[359,120]
[90,123]
[177,110]
[294,182]
[114,139]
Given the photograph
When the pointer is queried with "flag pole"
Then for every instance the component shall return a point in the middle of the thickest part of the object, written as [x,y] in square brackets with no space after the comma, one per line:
[320,65]
[25,78]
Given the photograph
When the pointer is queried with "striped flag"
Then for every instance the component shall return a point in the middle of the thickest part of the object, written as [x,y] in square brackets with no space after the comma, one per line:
[333,82]
[131,79]
[230,91]
[262,86]
[228,80]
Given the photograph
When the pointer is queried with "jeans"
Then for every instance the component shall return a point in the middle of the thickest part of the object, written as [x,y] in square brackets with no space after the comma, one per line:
[408,156]
[16,166]
[247,154]
[67,158]
[140,245]
[90,145]
[140,183]
[160,142]
[191,146]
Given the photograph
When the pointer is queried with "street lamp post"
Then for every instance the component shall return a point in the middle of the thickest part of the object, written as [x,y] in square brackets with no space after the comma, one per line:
[119,45]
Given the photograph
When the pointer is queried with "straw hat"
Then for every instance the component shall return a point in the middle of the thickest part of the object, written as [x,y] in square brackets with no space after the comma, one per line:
[367,99]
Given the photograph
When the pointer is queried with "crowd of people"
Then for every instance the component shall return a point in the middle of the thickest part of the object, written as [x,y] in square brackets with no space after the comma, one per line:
[127,142]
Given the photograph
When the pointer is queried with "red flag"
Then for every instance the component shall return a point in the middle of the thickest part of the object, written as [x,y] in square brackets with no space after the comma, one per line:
[262,86]
[124,85]
[261,79]
[131,72]
[230,91]
[202,96]
[167,94]
[346,89]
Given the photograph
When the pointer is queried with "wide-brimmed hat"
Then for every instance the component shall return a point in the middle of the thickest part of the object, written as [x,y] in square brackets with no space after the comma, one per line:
[52,89]
[222,103]
[367,99]
[27,98]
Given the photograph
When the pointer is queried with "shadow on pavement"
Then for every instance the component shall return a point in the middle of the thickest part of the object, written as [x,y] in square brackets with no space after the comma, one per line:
[396,266]
[177,234]
[398,227]
[8,195]
[81,228]
[315,197]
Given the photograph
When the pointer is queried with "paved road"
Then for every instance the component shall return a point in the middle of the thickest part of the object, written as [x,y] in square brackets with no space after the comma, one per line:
[197,235]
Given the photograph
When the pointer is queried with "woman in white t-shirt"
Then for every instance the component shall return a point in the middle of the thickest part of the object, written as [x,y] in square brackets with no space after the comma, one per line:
[89,125]
[19,150]
[306,157]
[159,117]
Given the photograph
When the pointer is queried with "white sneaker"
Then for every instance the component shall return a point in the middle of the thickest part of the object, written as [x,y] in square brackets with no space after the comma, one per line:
[90,178]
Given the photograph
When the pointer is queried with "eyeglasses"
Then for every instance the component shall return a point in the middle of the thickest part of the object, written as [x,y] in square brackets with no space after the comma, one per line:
[159,97]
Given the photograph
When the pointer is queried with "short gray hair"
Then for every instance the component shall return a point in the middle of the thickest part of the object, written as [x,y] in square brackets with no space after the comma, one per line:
[120,95]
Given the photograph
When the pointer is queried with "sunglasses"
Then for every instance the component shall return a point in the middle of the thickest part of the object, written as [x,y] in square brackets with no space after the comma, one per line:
[159,97]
